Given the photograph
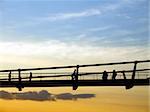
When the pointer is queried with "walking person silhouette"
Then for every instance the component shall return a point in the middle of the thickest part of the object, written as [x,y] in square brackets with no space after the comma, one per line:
[114,75]
[105,76]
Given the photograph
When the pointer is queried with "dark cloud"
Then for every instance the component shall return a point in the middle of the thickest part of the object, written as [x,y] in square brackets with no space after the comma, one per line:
[69,96]
[40,96]
[43,96]
[65,96]
[6,95]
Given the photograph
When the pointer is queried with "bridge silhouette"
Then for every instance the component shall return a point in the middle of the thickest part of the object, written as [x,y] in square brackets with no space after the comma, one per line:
[21,78]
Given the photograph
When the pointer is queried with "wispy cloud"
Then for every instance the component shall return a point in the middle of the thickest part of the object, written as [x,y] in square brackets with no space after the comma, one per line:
[72,15]
[99,28]
[54,17]
[59,16]
[124,16]
[81,14]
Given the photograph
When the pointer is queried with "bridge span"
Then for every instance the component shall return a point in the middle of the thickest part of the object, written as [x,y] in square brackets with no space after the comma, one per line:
[21,78]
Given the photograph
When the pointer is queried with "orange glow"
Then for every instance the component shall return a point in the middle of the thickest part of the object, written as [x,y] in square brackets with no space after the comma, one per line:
[108,99]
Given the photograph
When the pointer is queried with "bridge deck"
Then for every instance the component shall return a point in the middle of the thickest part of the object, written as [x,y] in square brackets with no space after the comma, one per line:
[61,83]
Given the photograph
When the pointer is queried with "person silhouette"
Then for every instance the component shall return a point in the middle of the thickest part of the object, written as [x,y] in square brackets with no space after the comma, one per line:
[114,75]
[105,75]
[74,80]
[74,75]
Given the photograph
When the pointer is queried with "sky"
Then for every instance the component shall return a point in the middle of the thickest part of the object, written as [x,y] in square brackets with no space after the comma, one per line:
[38,33]
[61,32]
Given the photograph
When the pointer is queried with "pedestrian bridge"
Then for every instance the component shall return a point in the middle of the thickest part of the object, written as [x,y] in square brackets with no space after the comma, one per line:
[137,75]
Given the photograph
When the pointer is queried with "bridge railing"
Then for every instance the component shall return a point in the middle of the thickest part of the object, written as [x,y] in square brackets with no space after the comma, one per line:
[29,74]
[82,75]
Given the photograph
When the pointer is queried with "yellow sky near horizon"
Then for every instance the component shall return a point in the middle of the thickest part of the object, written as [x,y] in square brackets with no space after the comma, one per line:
[107,99]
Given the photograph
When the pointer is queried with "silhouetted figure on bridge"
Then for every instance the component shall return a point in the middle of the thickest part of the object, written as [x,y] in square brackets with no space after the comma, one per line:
[114,75]
[74,79]
[73,75]
[105,76]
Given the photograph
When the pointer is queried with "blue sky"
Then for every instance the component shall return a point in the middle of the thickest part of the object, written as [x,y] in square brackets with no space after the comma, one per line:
[72,27]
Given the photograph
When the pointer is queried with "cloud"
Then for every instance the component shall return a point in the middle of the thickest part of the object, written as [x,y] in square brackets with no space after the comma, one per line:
[57,52]
[43,95]
[55,47]
[40,96]
[72,15]
[100,10]
[100,28]
[81,14]
[69,96]
[52,17]
[84,13]
[123,15]
[5,95]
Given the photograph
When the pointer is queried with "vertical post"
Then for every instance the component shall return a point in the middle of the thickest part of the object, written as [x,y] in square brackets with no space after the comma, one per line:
[126,82]
[134,70]
[77,73]
[19,75]
[9,76]
[124,76]
[30,76]
[19,86]
[131,83]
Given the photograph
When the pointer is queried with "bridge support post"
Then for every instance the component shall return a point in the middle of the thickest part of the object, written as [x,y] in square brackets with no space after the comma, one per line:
[19,86]
[134,70]
[126,82]
[130,84]
[9,76]
[30,77]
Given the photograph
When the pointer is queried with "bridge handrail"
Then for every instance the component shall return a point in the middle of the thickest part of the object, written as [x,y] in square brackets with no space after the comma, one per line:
[88,65]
